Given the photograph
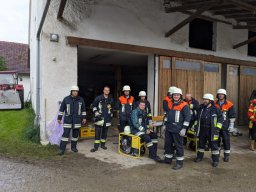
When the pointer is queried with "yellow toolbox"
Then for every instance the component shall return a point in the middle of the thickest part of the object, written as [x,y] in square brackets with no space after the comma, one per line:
[87,132]
[131,145]
[192,140]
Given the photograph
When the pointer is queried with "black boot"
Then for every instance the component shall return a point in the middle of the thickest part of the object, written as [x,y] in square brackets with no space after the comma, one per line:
[73,146]
[62,147]
[96,147]
[226,157]
[102,145]
[94,150]
[152,153]
[167,160]
[199,157]
[179,165]
[215,160]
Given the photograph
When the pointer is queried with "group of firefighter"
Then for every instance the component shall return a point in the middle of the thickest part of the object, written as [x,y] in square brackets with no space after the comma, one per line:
[212,121]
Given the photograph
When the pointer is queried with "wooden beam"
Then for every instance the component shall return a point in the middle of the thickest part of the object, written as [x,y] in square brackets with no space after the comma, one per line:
[188,6]
[230,12]
[208,18]
[242,5]
[239,15]
[251,40]
[222,6]
[61,9]
[77,41]
[244,26]
[246,19]
[186,21]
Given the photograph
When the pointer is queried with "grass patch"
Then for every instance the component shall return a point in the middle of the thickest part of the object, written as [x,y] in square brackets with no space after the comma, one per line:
[19,138]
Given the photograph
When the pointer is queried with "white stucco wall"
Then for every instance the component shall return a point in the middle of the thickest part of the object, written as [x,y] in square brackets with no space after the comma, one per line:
[134,22]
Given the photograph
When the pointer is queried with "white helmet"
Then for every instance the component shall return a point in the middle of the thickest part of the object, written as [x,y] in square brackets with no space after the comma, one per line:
[171,89]
[127,129]
[222,91]
[208,96]
[177,91]
[126,88]
[142,94]
[74,88]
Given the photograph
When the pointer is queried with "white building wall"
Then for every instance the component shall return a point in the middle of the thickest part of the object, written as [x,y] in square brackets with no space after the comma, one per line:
[134,22]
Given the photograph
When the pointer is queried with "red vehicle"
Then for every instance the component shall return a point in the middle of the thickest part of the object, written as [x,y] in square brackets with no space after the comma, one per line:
[11,93]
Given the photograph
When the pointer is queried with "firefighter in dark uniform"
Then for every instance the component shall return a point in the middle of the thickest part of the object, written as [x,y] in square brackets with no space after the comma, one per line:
[73,110]
[142,95]
[103,113]
[193,106]
[252,121]
[139,126]
[125,105]
[178,118]
[209,125]
[166,102]
[229,117]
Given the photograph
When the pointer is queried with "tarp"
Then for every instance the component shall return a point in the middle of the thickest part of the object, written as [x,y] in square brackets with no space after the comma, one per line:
[55,131]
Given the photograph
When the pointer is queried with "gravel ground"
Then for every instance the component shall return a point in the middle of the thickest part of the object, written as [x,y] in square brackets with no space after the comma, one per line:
[100,172]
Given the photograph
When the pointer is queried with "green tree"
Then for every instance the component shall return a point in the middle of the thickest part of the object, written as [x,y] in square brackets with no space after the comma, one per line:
[2,64]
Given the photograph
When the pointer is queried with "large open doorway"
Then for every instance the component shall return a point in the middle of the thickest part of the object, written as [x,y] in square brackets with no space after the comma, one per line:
[100,67]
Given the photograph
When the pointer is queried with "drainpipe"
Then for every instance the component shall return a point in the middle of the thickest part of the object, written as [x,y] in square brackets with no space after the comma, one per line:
[38,76]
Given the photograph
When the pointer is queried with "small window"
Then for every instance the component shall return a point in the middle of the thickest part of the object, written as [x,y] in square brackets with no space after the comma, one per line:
[213,67]
[167,64]
[201,34]
[233,71]
[187,65]
[252,46]
[249,71]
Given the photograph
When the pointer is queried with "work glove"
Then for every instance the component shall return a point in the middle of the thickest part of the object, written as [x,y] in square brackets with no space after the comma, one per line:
[231,128]
[183,132]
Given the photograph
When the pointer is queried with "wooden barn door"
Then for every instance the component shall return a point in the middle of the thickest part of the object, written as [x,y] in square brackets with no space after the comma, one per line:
[232,84]
[164,80]
[187,75]
[212,77]
[247,85]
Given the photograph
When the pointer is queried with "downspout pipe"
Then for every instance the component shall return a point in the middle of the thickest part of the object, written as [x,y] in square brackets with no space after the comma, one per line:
[38,72]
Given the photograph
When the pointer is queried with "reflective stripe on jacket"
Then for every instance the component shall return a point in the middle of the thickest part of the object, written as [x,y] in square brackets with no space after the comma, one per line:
[104,107]
[216,119]
[73,110]
[125,107]
[178,116]
[228,111]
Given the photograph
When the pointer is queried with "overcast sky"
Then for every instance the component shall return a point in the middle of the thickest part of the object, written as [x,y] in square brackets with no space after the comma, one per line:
[14,17]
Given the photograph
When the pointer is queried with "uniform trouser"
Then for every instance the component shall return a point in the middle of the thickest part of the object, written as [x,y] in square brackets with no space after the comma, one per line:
[203,138]
[123,123]
[177,140]
[151,142]
[252,132]
[225,138]
[65,137]
[101,133]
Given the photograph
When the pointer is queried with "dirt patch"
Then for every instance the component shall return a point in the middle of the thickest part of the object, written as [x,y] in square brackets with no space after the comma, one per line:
[81,172]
